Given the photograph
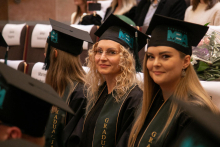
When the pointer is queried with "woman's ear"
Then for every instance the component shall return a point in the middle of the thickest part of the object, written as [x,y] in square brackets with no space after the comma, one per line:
[187,60]
[14,133]
[55,53]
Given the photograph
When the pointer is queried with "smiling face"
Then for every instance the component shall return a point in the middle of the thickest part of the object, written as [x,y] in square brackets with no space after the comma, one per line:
[165,65]
[107,58]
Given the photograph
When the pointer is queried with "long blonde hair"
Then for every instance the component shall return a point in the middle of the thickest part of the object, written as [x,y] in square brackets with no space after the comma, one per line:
[79,11]
[63,70]
[188,87]
[124,80]
[126,6]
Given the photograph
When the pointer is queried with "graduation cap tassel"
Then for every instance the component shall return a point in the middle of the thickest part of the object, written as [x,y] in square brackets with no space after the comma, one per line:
[6,55]
[47,59]
[138,65]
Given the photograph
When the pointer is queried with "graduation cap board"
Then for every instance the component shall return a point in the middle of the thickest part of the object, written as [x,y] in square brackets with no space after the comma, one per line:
[66,38]
[17,143]
[178,34]
[26,102]
[121,32]
[4,44]
[204,131]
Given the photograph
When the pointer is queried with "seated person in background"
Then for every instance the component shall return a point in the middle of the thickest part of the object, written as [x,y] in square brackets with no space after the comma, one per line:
[122,7]
[170,8]
[25,105]
[169,74]
[81,7]
[203,11]
[65,74]
[118,7]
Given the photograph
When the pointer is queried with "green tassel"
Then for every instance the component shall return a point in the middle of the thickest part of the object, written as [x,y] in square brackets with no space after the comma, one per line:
[47,59]
[6,56]
[138,64]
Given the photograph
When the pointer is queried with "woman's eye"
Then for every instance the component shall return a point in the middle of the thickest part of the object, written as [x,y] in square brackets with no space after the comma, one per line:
[112,52]
[149,57]
[166,56]
[99,51]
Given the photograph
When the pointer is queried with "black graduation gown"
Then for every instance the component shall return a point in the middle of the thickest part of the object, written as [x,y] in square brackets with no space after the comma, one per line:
[73,130]
[170,8]
[126,116]
[77,103]
[181,121]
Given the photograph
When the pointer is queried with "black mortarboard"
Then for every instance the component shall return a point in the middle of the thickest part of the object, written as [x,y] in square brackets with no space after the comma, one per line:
[203,131]
[4,44]
[26,102]
[178,34]
[66,38]
[17,143]
[119,31]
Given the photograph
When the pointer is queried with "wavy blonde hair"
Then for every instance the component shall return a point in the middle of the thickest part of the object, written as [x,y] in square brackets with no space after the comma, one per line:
[124,80]
[126,6]
[189,87]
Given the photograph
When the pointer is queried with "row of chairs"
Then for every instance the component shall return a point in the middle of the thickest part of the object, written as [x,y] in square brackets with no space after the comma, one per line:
[30,53]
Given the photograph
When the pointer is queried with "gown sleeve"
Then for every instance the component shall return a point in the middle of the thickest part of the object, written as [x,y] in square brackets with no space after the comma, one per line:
[128,110]
[73,130]
[180,124]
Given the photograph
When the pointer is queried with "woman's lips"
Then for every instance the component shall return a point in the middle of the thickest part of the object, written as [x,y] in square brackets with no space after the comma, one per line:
[103,65]
[158,72]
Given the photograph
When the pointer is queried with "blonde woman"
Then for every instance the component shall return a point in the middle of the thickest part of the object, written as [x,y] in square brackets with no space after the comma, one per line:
[81,7]
[122,7]
[168,73]
[67,77]
[112,91]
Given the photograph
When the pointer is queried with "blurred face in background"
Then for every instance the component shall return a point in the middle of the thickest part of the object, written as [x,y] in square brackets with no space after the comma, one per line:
[78,2]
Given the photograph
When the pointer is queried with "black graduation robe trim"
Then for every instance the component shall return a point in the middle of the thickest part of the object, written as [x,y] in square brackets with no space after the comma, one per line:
[73,130]
[100,93]
[180,122]
[56,118]
[108,118]
[155,127]
[125,118]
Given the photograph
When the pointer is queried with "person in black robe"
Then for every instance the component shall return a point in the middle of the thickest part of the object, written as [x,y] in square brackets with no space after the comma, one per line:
[66,75]
[25,105]
[113,94]
[168,75]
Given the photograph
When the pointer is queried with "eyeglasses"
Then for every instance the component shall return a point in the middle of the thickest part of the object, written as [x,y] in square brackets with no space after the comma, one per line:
[108,53]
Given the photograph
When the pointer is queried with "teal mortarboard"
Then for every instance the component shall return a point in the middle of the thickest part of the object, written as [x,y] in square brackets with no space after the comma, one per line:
[121,32]
[178,34]
[66,38]
[26,102]
[204,129]
[4,44]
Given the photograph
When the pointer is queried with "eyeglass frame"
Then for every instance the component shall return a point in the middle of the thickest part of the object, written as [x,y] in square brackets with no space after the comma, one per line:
[107,53]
